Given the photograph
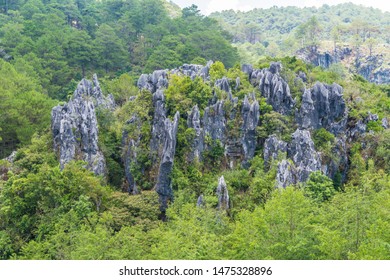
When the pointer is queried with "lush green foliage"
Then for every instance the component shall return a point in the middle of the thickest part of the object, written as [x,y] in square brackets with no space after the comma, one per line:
[62,41]
[48,213]
[283,30]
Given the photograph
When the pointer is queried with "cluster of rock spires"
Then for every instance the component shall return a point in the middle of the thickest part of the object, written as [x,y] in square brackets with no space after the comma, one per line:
[75,129]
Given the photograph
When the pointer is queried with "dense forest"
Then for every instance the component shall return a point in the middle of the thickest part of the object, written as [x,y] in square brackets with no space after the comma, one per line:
[174,149]
[356,37]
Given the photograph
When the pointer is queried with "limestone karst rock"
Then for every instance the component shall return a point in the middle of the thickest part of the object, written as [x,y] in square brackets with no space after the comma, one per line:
[274,88]
[214,122]
[360,127]
[250,114]
[323,106]
[302,158]
[158,122]
[193,122]
[130,156]
[74,126]
[200,202]
[222,194]
[385,123]
[302,152]
[272,148]
[163,185]
[286,174]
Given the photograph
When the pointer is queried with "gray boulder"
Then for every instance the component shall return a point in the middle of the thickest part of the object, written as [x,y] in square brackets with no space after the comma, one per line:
[163,185]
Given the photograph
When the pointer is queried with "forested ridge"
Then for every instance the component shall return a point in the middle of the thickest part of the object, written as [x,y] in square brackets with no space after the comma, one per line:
[346,34]
[130,130]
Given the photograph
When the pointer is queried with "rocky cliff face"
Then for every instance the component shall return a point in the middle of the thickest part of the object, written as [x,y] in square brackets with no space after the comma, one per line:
[323,106]
[74,126]
[371,67]
[163,185]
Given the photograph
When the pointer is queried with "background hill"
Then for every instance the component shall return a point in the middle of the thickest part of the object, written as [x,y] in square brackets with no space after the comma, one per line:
[279,31]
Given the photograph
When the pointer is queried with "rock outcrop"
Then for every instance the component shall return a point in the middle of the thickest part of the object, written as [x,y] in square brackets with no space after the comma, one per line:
[223,195]
[193,122]
[302,158]
[274,88]
[323,106]
[163,185]
[273,147]
[74,126]
[385,123]
[360,127]
[250,114]
[286,174]
[158,123]
[152,82]
[130,156]
[214,122]
[301,151]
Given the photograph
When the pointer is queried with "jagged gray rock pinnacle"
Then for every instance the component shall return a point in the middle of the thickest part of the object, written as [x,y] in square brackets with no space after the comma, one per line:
[222,194]
[163,185]
[74,126]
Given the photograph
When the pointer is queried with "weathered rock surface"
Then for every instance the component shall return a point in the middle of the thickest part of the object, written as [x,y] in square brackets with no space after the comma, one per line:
[130,157]
[250,114]
[272,148]
[372,67]
[286,174]
[247,69]
[152,82]
[222,194]
[323,106]
[274,88]
[200,202]
[193,122]
[385,123]
[163,185]
[301,151]
[74,127]
[158,123]
[194,70]
[360,127]
[214,122]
